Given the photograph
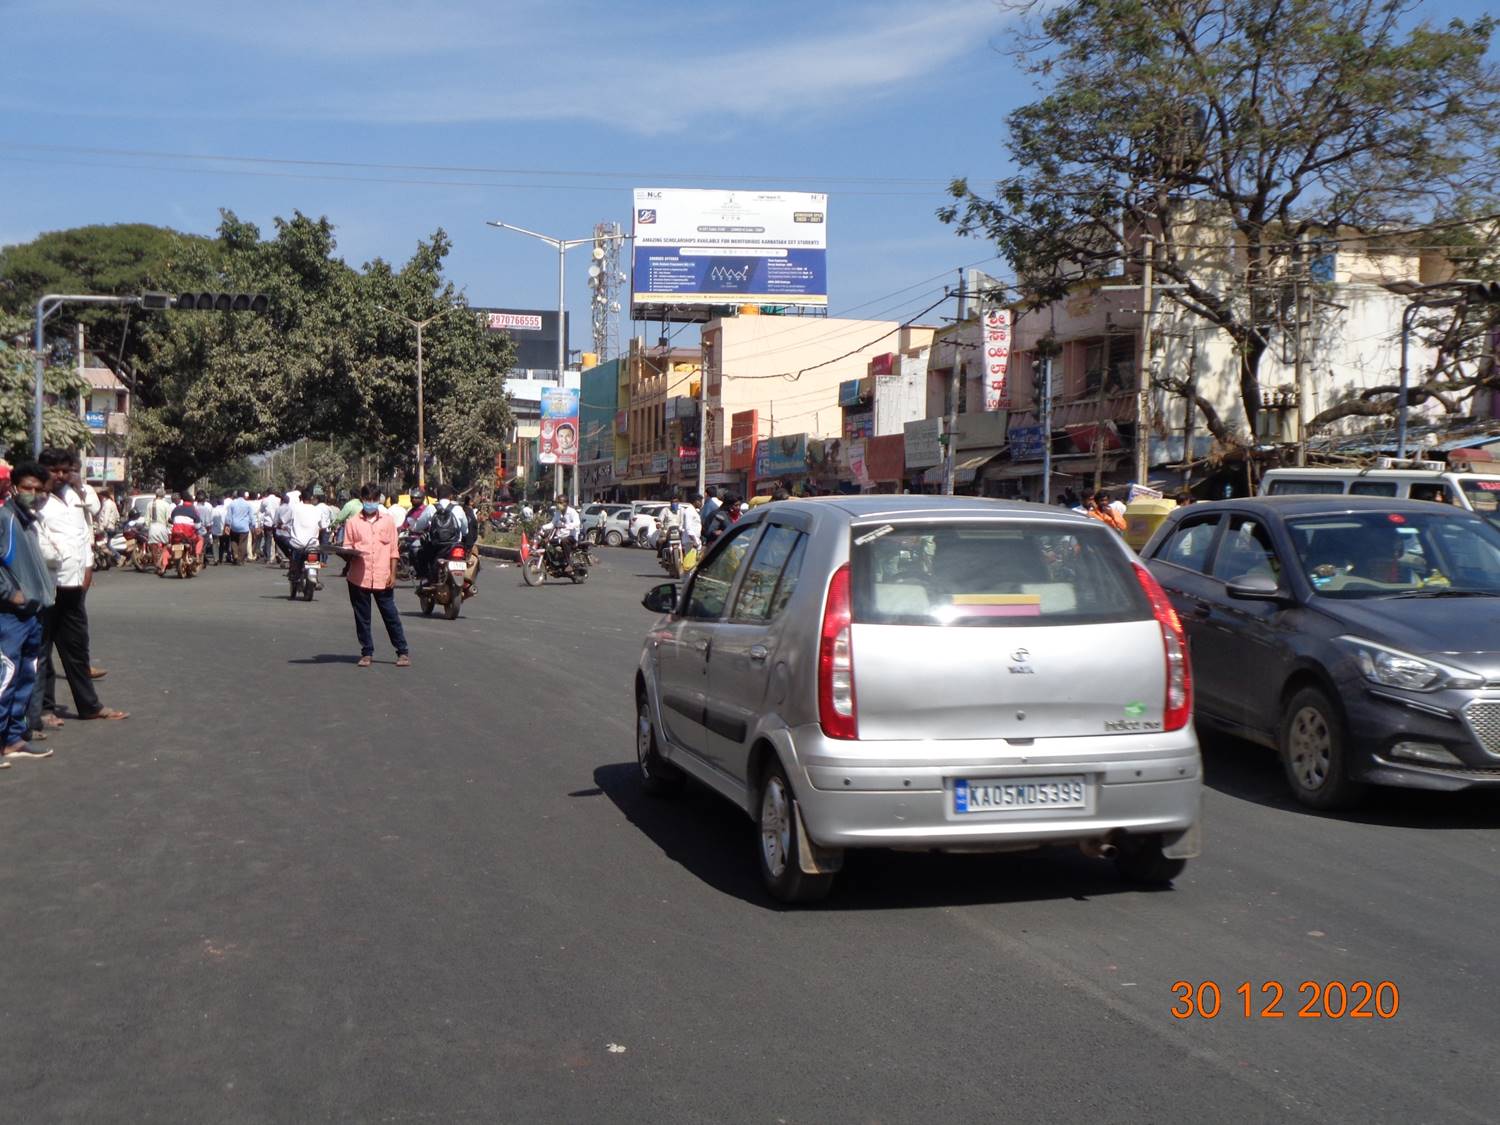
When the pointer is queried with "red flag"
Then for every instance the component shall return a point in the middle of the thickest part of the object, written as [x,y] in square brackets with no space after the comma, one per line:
[525,548]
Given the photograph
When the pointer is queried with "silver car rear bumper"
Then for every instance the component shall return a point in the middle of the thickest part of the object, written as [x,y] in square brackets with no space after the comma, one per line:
[900,794]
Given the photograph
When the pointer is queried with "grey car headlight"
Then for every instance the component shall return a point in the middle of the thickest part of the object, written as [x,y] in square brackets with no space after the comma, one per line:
[1390,667]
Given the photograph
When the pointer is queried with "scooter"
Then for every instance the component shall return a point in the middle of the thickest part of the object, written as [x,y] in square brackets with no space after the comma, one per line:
[449,588]
[304,579]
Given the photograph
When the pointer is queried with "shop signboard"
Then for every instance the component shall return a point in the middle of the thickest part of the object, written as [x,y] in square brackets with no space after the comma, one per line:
[1026,443]
[859,423]
[852,392]
[95,419]
[781,456]
[996,345]
[104,468]
[883,364]
[858,470]
[924,442]
[742,434]
[884,457]
[717,247]
[659,463]
[557,441]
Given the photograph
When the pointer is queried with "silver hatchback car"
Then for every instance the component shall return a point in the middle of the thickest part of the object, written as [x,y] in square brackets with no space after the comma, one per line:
[924,673]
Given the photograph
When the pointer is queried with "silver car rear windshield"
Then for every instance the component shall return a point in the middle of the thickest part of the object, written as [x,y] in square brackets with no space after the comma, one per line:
[989,574]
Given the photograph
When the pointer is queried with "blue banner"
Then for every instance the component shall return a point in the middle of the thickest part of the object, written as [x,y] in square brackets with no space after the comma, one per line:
[781,456]
[686,273]
[94,419]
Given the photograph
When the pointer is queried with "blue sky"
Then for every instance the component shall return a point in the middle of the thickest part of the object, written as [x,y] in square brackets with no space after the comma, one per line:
[564,104]
[878,103]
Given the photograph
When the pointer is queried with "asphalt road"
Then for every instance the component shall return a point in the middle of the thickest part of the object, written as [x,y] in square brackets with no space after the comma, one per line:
[289,889]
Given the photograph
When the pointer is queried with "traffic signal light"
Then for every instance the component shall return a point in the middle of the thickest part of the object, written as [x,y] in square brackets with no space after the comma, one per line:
[1486,291]
[223,302]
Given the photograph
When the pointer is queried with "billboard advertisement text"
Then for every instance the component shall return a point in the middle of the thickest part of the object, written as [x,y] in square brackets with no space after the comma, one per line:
[696,247]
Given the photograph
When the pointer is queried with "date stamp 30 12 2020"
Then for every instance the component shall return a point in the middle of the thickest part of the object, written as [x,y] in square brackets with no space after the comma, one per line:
[1311,1000]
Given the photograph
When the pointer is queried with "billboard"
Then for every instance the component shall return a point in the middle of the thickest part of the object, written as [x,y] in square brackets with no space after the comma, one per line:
[557,441]
[781,456]
[534,332]
[704,248]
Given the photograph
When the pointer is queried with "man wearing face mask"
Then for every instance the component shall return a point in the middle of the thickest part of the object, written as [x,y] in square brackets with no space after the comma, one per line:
[25,590]
[370,546]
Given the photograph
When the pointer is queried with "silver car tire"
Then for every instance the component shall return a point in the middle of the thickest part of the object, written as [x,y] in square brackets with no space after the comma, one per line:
[1314,752]
[613,538]
[658,776]
[777,845]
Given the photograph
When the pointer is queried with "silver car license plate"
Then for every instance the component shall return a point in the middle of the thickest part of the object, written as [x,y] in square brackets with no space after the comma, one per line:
[1016,794]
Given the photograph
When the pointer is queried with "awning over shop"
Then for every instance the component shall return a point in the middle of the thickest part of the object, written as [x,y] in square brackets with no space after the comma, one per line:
[970,461]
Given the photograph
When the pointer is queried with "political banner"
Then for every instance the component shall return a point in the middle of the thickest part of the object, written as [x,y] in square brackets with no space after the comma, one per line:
[557,443]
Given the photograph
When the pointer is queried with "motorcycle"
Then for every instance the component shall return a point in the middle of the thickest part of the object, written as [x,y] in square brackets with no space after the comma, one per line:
[304,579]
[546,561]
[104,558]
[405,572]
[449,587]
[181,556]
[134,544]
[669,552]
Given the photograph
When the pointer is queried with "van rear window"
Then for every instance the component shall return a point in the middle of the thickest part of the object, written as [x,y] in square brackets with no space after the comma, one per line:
[991,575]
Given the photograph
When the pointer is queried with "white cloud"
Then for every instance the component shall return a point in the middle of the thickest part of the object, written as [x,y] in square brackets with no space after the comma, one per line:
[634,68]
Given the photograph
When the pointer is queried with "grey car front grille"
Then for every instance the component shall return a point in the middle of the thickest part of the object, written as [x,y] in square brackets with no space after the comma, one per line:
[1483,717]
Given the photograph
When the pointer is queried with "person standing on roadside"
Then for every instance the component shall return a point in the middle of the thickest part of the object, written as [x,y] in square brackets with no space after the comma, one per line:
[372,576]
[25,591]
[239,523]
[67,544]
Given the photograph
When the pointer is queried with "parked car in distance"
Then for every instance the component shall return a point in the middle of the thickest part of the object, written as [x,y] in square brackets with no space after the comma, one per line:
[641,528]
[926,673]
[594,517]
[1405,480]
[1357,636]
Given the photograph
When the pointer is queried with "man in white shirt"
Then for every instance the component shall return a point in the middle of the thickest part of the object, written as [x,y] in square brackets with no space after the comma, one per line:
[303,525]
[66,538]
[270,504]
[566,525]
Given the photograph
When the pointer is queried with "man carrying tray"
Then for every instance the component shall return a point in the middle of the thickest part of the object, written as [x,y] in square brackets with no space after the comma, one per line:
[370,548]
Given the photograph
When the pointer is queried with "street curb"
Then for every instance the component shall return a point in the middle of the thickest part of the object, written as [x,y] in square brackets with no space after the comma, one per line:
[508,554]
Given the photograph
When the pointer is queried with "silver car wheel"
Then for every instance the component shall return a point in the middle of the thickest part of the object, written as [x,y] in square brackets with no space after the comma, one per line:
[775,827]
[1311,747]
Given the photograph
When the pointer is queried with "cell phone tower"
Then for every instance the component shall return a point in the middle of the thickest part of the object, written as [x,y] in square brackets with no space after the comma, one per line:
[605,279]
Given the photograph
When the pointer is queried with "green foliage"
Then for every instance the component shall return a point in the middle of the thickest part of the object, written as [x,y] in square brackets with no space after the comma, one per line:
[61,426]
[1274,118]
[325,364]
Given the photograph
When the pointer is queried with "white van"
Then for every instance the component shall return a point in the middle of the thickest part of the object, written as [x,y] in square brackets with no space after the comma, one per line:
[1406,480]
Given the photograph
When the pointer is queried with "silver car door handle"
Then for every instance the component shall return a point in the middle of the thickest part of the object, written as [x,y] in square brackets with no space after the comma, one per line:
[758,653]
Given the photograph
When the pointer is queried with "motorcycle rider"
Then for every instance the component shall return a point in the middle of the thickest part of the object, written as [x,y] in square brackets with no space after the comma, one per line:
[305,524]
[471,538]
[684,517]
[566,526]
[442,527]
[186,528]
[159,524]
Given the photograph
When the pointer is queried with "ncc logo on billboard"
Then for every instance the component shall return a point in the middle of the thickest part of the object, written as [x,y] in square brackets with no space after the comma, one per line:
[645,215]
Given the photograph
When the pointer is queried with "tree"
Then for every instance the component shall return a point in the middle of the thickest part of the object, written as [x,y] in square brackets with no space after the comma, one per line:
[61,425]
[1276,118]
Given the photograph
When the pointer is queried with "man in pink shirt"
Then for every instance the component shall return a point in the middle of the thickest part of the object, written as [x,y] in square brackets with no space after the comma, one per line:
[372,574]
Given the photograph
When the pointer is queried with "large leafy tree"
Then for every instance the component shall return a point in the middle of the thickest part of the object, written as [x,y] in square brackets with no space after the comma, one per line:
[61,426]
[324,364]
[1279,118]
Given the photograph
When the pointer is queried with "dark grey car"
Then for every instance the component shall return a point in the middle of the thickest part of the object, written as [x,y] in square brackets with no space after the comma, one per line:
[1359,637]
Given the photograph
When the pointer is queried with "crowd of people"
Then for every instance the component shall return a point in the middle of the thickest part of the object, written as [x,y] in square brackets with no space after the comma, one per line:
[46,568]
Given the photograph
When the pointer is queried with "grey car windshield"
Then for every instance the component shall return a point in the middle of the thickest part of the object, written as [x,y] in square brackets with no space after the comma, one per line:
[991,574]
[1391,554]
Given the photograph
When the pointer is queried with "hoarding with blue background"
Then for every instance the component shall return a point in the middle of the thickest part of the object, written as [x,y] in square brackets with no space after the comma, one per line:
[781,456]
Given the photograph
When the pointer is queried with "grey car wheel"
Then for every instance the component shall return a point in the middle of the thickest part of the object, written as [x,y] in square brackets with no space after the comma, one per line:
[658,777]
[779,850]
[613,538]
[1313,751]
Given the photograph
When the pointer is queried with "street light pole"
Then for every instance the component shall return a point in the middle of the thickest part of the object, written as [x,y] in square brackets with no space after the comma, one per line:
[562,245]
[420,325]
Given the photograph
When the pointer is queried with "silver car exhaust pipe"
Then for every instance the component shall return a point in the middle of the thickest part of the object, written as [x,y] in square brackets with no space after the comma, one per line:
[1097,849]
